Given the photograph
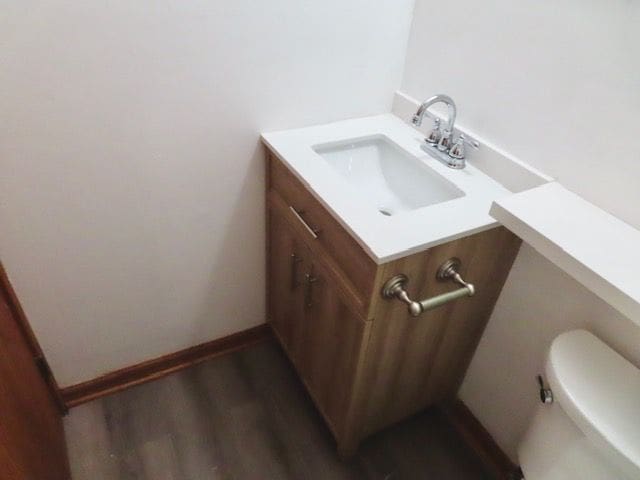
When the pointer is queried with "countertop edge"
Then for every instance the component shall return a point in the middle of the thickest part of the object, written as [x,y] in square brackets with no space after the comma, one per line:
[378,258]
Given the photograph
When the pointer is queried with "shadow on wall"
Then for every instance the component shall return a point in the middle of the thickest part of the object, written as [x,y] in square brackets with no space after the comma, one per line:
[538,302]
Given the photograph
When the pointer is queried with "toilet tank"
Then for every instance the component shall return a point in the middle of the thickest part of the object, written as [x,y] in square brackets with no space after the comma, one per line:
[592,429]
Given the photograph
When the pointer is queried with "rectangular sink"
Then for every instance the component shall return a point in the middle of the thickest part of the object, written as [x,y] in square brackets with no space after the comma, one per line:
[361,167]
[390,178]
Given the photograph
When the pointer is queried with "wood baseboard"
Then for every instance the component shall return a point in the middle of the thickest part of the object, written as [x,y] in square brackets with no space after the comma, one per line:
[159,367]
[495,461]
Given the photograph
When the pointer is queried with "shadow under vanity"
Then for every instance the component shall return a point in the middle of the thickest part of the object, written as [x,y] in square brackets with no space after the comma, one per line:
[366,362]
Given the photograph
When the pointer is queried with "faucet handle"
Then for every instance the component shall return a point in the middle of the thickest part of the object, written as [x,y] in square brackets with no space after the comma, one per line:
[434,135]
[457,149]
[445,140]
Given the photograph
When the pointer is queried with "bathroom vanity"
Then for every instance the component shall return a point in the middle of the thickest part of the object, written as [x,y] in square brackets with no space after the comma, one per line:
[350,206]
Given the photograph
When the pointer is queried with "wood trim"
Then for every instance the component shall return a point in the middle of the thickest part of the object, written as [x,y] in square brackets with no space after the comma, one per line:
[159,367]
[30,338]
[495,461]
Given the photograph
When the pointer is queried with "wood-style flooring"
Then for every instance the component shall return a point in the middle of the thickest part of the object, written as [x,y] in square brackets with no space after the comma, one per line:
[246,416]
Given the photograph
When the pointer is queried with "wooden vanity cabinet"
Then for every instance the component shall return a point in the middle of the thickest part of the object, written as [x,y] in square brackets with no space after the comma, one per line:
[320,333]
[364,360]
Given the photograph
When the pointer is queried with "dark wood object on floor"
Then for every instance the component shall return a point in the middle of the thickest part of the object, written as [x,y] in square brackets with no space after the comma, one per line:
[158,367]
[366,362]
[32,445]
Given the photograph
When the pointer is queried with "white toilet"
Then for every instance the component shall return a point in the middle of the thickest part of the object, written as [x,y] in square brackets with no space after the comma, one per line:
[592,429]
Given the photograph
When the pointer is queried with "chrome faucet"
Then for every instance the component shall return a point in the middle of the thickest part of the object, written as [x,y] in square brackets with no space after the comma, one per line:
[450,152]
[446,99]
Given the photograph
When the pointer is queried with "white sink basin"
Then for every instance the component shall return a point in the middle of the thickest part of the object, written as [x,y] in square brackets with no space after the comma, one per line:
[391,179]
[363,167]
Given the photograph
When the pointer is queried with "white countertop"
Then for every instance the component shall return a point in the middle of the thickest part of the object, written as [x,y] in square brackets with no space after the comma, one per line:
[592,246]
[387,238]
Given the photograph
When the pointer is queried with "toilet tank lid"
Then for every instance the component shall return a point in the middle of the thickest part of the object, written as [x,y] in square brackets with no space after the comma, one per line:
[598,389]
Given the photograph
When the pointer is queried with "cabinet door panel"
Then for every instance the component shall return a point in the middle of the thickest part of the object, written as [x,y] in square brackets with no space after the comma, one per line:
[333,338]
[322,336]
[286,267]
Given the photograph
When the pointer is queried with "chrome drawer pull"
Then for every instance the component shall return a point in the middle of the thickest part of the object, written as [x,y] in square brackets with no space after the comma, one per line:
[394,288]
[312,232]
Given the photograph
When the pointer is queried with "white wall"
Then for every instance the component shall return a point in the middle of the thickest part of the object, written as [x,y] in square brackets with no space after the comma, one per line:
[557,84]
[131,193]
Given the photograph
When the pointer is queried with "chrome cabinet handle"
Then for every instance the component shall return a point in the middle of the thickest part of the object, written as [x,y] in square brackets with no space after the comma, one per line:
[313,232]
[394,288]
[295,260]
[308,293]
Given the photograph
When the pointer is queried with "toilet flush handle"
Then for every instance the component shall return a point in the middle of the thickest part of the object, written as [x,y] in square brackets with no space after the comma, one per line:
[546,395]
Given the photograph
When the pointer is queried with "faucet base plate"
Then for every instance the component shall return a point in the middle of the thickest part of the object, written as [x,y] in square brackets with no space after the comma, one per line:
[444,157]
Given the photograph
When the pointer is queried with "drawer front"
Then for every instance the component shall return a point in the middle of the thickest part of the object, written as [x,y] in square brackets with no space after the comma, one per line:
[323,230]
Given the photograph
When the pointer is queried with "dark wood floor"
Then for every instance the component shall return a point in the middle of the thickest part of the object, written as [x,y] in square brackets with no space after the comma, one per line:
[246,417]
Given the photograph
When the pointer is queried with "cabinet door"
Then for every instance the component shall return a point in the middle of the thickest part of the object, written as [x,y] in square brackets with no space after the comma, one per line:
[321,335]
[32,445]
[286,266]
[332,342]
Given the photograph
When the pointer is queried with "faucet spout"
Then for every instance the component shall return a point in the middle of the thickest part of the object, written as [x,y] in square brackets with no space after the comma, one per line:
[442,144]
[441,98]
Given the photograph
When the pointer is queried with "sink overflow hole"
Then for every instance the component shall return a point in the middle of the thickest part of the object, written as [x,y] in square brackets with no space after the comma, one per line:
[384,211]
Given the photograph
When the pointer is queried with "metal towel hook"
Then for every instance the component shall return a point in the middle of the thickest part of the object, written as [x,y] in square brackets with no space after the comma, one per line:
[394,288]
